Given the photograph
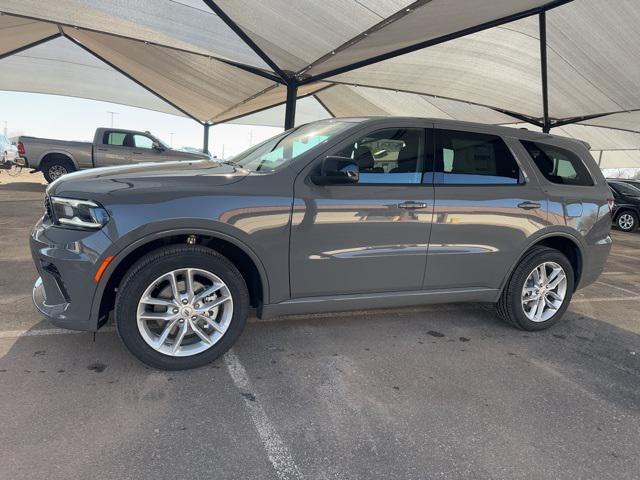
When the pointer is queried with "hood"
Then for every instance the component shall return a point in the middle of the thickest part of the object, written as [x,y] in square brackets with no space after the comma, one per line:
[147,179]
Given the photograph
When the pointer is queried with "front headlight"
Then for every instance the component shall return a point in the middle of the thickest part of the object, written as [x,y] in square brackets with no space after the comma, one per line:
[78,213]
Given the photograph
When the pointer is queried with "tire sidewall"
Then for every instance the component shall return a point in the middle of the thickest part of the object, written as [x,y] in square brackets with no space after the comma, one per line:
[519,278]
[150,268]
[67,165]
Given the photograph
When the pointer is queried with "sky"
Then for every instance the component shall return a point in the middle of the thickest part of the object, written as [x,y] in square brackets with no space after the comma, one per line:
[68,118]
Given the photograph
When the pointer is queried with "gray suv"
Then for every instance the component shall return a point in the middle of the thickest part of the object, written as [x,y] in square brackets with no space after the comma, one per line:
[333,215]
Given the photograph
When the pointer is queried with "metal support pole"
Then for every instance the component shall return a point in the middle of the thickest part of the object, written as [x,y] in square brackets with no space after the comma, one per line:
[546,122]
[290,112]
[205,141]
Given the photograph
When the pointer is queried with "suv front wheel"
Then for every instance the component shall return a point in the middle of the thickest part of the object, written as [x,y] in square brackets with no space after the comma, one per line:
[539,290]
[181,307]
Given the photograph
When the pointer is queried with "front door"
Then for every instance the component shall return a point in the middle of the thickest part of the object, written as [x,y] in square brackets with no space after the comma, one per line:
[486,208]
[143,150]
[366,237]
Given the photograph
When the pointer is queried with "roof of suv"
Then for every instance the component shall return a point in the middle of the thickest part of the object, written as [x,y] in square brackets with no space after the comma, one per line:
[521,133]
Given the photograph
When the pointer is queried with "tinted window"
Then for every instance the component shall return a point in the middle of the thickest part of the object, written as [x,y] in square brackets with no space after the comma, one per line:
[114,138]
[393,155]
[558,165]
[625,189]
[473,158]
[142,141]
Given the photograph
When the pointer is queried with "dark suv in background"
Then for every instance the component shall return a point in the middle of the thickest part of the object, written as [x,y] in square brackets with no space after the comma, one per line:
[334,215]
[626,208]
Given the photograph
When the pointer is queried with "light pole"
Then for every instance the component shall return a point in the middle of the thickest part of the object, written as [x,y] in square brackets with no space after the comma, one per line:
[112,114]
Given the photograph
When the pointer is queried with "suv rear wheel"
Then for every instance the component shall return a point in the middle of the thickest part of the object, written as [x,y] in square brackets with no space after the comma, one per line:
[627,221]
[181,307]
[539,290]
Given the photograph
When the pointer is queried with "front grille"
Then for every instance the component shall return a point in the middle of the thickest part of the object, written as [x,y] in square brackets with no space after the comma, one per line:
[48,208]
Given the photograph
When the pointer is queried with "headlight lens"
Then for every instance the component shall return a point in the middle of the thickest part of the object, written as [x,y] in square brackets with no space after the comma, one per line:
[78,213]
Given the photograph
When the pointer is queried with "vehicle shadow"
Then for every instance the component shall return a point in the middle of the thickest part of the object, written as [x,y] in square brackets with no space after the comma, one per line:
[22,186]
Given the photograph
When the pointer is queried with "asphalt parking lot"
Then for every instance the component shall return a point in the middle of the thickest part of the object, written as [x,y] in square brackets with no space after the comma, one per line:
[445,391]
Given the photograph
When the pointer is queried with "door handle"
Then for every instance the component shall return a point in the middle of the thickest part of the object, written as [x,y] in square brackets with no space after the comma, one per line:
[529,205]
[410,205]
[137,153]
[102,150]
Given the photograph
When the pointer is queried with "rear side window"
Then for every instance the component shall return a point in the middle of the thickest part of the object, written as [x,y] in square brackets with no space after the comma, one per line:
[558,165]
[471,158]
[114,138]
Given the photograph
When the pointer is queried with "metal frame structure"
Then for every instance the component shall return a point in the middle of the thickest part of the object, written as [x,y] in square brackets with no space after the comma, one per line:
[293,80]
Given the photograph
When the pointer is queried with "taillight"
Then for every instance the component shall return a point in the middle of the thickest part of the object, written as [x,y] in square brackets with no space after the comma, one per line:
[610,203]
[21,148]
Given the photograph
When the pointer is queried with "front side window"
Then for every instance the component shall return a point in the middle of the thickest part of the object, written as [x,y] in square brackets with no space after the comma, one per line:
[142,141]
[394,155]
[558,165]
[279,151]
[469,158]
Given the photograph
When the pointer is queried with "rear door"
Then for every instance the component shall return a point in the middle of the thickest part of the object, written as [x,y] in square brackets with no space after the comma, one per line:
[366,237]
[487,205]
[115,149]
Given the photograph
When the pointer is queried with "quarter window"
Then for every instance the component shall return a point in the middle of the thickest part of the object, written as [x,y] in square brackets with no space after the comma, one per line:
[464,158]
[558,165]
[390,156]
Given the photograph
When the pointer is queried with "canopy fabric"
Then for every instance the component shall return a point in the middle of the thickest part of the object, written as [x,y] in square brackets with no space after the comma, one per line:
[59,67]
[216,60]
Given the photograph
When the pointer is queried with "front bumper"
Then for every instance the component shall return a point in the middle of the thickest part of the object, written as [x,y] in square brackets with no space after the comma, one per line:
[66,261]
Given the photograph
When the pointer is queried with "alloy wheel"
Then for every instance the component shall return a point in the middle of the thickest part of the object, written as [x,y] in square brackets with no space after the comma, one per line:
[544,291]
[184,312]
[626,221]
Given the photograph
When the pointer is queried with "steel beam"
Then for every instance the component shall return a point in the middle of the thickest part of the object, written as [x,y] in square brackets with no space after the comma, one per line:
[130,77]
[434,41]
[247,40]
[290,107]
[30,45]
[205,140]
[542,23]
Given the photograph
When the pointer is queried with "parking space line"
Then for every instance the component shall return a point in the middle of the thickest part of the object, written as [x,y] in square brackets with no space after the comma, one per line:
[625,290]
[277,451]
[614,254]
[606,299]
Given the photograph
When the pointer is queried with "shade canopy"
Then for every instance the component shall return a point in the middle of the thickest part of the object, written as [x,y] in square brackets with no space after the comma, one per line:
[550,63]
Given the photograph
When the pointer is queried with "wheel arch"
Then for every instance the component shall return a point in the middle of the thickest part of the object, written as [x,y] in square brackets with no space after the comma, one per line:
[52,154]
[247,262]
[564,242]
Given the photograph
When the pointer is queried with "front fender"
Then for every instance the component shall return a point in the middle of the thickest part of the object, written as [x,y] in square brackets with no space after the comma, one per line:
[146,234]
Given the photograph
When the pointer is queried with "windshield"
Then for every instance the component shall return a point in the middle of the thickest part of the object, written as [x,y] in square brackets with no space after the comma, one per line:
[279,151]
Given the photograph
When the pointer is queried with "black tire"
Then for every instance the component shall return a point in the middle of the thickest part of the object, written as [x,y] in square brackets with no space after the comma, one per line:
[157,263]
[510,307]
[630,223]
[54,166]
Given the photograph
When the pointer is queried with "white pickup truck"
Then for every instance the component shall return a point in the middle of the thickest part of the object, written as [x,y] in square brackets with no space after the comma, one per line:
[111,146]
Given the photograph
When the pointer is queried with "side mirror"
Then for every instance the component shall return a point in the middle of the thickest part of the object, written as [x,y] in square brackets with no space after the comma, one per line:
[337,170]
[157,147]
